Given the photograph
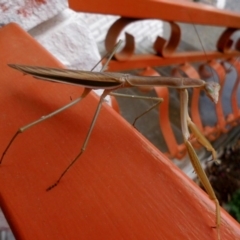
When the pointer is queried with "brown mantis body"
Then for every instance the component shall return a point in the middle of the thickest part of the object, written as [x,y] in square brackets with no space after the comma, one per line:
[112,81]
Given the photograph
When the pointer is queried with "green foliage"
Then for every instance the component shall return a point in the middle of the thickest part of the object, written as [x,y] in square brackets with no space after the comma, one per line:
[234,205]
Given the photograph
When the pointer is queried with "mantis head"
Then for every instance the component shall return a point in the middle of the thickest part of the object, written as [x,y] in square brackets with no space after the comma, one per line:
[212,90]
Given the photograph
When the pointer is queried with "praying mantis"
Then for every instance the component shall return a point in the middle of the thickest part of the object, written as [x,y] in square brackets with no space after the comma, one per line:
[112,81]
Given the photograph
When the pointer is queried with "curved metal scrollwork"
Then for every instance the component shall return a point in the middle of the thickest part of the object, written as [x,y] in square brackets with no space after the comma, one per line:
[161,46]
[112,36]
[225,42]
[233,118]
[164,48]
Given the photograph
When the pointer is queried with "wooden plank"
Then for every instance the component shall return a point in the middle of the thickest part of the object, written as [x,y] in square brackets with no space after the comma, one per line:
[170,10]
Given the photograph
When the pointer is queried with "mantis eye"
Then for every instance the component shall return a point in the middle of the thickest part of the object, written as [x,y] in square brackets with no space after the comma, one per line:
[212,90]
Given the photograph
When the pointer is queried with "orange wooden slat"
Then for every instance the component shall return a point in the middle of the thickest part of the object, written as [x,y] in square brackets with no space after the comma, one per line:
[121,188]
[168,10]
[143,60]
